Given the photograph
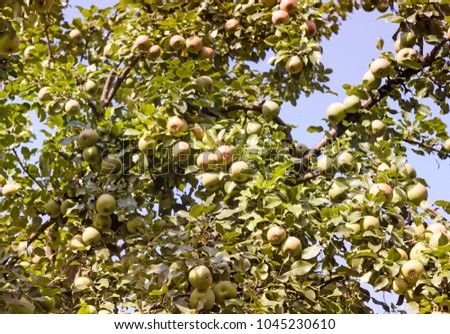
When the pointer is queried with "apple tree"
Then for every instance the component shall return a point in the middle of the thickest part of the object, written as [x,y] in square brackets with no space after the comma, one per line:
[145,166]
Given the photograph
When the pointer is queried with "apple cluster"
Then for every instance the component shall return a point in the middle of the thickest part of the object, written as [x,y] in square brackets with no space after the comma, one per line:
[291,247]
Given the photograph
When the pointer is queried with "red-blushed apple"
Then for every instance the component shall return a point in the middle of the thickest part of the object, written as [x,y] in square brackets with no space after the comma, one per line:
[276,235]
[289,6]
[224,155]
[280,17]
[198,132]
[206,160]
[207,53]
[231,25]
[310,29]
[294,65]
[181,151]
[382,188]
[142,43]
[154,52]
[194,44]
[176,126]
[177,42]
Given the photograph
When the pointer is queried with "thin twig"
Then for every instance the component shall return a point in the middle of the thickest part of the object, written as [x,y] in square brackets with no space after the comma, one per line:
[26,171]
[49,47]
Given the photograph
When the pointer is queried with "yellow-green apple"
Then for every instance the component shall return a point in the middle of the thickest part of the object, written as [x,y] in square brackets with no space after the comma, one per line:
[211,181]
[52,208]
[72,107]
[82,282]
[76,36]
[370,223]
[325,164]
[276,235]
[400,285]
[408,58]
[253,128]
[352,104]
[106,204]
[30,52]
[294,64]
[205,297]
[90,86]
[66,205]
[377,128]
[102,223]
[194,44]
[344,161]
[200,277]
[205,82]
[408,171]
[76,242]
[417,193]
[9,44]
[176,126]
[337,193]
[92,155]
[370,81]
[224,290]
[270,109]
[446,146]
[380,68]
[177,42]
[111,164]
[146,142]
[416,252]
[412,270]
[300,150]
[45,94]
[91,236]
[399,196]
[239,171]
[10,189]
[336,112]
[87,138]
[291,247]
[181,151]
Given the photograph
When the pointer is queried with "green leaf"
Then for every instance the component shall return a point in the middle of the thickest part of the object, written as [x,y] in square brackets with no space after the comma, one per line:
[311,252]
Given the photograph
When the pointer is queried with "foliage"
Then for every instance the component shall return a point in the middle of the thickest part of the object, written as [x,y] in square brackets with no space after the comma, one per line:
[165,221]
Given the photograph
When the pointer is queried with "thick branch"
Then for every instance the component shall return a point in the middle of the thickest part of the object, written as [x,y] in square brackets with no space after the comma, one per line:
[107,88]
[119,81]
[26,171]
[39,231]
[49,47]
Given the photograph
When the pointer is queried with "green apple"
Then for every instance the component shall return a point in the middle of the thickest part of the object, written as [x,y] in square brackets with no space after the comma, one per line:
[337,193]
[205,82]
[224,290]
[53,209]
[66,205]
[412,270]
[378,128]
[177,42]
[82,282]
[438,239]
[76,36]
[45,94]
[206,298]
[408,58]
[76,242]
[91,236]
[325,164]
[336,112]
[106,204]
[400,285]
[276,235]
[102,223]
[344,162]
[90,86]
[300,150]
[407,39]
[42,6]
[9,44]
[110,50]
[407,171]
[176,126]
[200,277]
[211,181]
[253,128]
[88,138]
[352,104]
[417,193]
[399,196]
[291,247]
[135,225]
[294,65]
[370,223]
[270,109]
[370,81]
[181,151]
[72,107]
[239,171]
[111,164]
[194,44]
[10,189]
[380,68]
[92,155]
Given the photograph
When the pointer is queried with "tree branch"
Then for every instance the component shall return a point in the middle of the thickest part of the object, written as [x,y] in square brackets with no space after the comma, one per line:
[39,231]
[425,146]
[119,81]
[107,88]
[49,47]
[26,171]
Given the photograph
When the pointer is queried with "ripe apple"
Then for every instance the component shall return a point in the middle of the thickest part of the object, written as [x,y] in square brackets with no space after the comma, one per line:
[370,223]
[325,164]
[53,209]
[438,239]
[382,188]
[176,126]
[224,155]
[380,67]
[291,247]
[76,242]
[111,164]
[66,205]
[42,6]
[211,181]
[408,171]
[239,171]
[198,133]
[207,53]
[400,286]
[253,128]
[408,58]
[154,52]
[72,107]
[102,223]
[417,193]
[29,52]
[205,82]
[92,155]
[82,282]
[270,109]
[194,44]
[90,86]
[142,42]
[412,270]
[370,81]
[446,146]
[87,138]
[45,94]
[9,44]
[399,196]
[146,142]
[231,25]
[200,277]
[91,236]
[289,6]
[336,112]
[337,193]
[206,297]
[224,290]
[276,235]
[310,29]
[106,204]
[181,151]
[280,17]
[352,104]
[416,252]
[344,162]
[10,189]
[177,42]
[76,36]
[294,65]
[206,160]
[377,128]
